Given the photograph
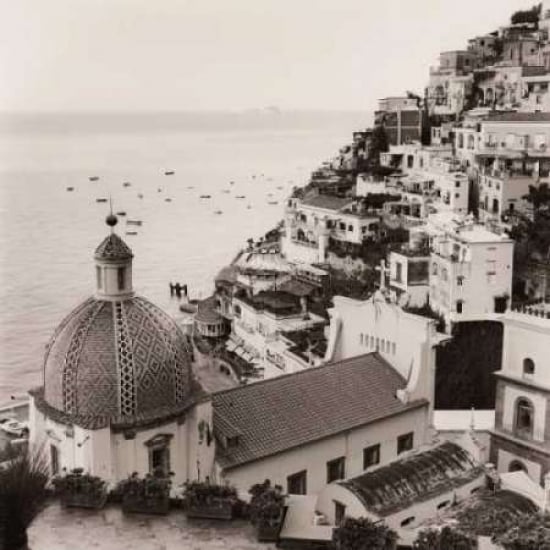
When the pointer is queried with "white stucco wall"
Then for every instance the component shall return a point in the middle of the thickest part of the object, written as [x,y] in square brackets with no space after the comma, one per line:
[504,458]
[314,456]
[112,457]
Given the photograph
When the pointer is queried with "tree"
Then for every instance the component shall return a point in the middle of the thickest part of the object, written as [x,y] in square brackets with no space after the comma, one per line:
[527,532]
[363,534]
[379,144]
[538,196]
[527,16]
[445,539]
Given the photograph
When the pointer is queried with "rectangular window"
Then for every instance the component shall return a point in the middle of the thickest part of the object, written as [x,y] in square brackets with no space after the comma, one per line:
[405,442]
[297,483]
[336,469]
[120,277]
[98,277]
[159,459]
[398,272]
[371,456]
[342,226]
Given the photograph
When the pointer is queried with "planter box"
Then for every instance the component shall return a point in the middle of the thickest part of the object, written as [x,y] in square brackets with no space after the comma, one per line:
[222,509]
[268,533]
[151,505]
[82,500]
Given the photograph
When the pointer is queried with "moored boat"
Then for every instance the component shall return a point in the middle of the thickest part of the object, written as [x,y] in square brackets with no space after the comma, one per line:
[101,200]
[205,197]
[131,233]
[134,222]
[70,188]
[169,173]
[93,178]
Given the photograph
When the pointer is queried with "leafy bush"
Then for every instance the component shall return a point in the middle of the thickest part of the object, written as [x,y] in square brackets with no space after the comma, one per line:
[363,534]
[526,532]
[77,482]
[444,539]
[266,504]
[200,493]
[526,16]
[156,485]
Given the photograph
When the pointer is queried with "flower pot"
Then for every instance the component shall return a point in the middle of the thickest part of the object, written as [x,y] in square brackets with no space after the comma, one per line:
[84,500]
[146,505]
[268,532]
[218,509]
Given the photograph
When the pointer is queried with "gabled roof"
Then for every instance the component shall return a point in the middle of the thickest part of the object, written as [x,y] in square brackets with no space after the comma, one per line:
[273,416]
[415,478]
[113,248]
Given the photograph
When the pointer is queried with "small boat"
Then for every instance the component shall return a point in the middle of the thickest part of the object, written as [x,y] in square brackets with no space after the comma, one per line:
[231,183]
[131,233]
[93,178]
[70,188]
[159,190]
[218,212]
[272,202]
[140,195]
[226,191]
[167,199]
[101,200]
[248,207]
[190,187]
[205,197]
[279,186]
[126,184]
[169,173]
[240,197]
[121,213]
[133,222]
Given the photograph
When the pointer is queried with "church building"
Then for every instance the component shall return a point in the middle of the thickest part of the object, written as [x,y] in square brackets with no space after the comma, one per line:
[118,393]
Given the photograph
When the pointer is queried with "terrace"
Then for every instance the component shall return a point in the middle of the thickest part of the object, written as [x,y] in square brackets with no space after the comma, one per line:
[70,528]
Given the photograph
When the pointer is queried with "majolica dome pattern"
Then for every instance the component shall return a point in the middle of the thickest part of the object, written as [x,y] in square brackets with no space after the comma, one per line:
[113,248]
[117,358]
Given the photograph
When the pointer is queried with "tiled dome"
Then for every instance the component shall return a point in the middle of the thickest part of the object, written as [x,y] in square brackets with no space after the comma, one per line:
[117,359]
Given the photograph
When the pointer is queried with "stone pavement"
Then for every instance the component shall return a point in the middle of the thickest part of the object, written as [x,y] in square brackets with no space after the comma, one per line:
[57,528]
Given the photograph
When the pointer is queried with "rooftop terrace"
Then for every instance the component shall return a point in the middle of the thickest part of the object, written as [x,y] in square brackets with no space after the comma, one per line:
[66,529]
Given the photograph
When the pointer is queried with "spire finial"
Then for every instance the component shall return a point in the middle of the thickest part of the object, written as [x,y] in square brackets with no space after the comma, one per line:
[111,220]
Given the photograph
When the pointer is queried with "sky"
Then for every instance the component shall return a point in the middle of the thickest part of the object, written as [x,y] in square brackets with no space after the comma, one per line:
[180,55]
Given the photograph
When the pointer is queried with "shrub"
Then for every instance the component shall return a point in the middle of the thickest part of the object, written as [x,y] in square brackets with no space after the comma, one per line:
[444,539]
[526,532]
[266,504]
[363,534]
[77,482]
[200,493]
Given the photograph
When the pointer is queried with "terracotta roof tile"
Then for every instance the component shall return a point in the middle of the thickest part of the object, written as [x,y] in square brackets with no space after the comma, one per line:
[275,415]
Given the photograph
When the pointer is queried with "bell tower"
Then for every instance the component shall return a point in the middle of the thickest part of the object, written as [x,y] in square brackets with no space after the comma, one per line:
[113,266]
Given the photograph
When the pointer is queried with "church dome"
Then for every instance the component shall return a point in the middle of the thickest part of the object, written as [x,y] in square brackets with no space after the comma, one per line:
[116,357]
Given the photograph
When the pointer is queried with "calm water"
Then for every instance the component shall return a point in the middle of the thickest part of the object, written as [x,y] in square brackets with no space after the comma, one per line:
[48,235]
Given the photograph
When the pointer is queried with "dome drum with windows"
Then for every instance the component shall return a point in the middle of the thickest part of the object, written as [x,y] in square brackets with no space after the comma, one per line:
[116,356]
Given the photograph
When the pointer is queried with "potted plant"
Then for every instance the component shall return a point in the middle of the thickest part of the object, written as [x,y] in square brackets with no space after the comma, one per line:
[23,479]
[81,490]
[267,510]
[148,495]
[203,499]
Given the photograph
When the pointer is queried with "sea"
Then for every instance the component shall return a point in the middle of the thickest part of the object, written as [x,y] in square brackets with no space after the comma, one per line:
[48,233]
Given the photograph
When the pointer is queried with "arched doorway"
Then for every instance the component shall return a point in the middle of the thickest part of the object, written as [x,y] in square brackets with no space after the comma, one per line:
[517,466]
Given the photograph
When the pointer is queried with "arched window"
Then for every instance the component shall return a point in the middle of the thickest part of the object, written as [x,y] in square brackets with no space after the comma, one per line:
[461,141]
[471,142]
[517,466]
[524,417]
[237,310]
[444,274]
[528,366]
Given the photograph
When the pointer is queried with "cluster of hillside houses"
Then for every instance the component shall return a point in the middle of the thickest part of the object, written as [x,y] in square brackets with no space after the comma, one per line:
[337,403]
[456,176]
